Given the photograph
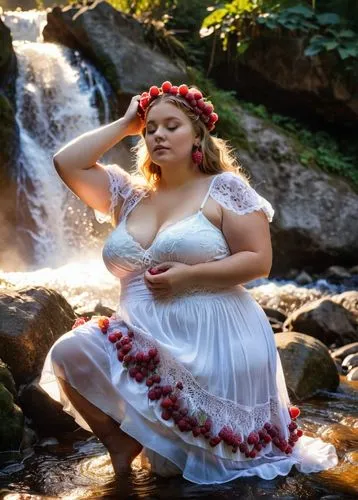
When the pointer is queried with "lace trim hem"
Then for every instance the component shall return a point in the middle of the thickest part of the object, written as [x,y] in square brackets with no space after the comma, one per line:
[179,402]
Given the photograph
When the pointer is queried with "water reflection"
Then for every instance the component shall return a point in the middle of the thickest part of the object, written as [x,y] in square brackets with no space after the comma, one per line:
[76,468]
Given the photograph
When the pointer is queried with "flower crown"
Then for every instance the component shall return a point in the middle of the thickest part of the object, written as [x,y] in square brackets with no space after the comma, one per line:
[201,107]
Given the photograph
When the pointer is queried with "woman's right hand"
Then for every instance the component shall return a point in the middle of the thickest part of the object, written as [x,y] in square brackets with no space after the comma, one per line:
[134,123]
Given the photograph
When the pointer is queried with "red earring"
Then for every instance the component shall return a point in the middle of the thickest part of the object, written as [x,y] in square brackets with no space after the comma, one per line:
[197,154]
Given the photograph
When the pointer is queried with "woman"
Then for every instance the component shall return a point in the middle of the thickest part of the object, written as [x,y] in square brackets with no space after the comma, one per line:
[186,371]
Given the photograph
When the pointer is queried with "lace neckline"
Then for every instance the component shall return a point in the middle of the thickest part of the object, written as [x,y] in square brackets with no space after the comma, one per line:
[195,214]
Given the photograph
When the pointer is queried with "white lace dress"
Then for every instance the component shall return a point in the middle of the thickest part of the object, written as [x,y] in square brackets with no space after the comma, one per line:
[215,407]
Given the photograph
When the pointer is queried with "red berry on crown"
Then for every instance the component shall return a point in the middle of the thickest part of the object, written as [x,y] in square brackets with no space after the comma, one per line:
[208,109]
[203,109]
[166,86]
[190,96]
[154,91]
[183,90]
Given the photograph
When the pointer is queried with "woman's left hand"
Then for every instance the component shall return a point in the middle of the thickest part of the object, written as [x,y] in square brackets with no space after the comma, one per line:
[175,277]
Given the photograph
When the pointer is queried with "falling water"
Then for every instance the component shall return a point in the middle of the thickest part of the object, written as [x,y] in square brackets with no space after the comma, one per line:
[25,25]
[59,96]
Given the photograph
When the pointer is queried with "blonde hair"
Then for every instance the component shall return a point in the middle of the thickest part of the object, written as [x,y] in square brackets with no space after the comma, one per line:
[218,157]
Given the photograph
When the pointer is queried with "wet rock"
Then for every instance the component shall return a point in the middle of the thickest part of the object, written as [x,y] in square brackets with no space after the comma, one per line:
[349,362]
[46,414]
[29,437]
[117,45]
[9,145]
[338,366]
[353,374]
[311,237]
[275,317]
[32,319]
[11,421]
[349,300]
[345,351]
[307,364]
[8,63]
[336,274]
[7,379]
[11,417]
[325,320]
[303,278]
[292,274]
[275,314]
[9,149]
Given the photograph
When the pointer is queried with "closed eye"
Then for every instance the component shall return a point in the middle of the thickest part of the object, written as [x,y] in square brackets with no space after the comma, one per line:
[169,128]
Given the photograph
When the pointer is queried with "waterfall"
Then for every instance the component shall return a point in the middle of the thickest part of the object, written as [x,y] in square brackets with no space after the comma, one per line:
[59,96]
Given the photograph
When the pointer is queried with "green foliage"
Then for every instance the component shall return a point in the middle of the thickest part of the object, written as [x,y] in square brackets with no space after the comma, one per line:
[225,103]
[184,22]
[235,18]
[157,36]
[315,148]
[347,9]
[344,40]
[247,19]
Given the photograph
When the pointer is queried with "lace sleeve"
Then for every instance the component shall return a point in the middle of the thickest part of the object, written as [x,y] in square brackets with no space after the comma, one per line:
[233,193]
[120,185]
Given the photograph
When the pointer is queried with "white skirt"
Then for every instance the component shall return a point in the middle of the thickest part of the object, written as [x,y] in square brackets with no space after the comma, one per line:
[216,405]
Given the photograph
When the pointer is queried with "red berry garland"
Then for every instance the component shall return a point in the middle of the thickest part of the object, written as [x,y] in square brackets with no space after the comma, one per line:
[103,324]
[142,367]
[204,109]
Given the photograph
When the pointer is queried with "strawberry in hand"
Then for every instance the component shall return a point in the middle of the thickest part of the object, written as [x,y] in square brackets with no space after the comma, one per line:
[169,278]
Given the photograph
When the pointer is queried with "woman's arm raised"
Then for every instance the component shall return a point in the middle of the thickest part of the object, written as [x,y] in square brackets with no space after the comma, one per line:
[77,162]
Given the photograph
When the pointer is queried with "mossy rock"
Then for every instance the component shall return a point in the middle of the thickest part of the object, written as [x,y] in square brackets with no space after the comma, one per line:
[6,379]
[6,49]
[8,135]
[307,365]
[8,64]
[11,421]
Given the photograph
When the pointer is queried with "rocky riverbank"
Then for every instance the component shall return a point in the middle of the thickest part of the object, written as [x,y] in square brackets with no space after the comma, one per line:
[317,342]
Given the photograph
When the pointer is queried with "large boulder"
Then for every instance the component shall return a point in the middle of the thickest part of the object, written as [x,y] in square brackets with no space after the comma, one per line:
[325,320]
[11,417]
[32,319]
[307,365]
[8,63]
[316,217]
[46,414]
[7,379]
[11,421]
[9,142]
[115,42]
[275,71]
